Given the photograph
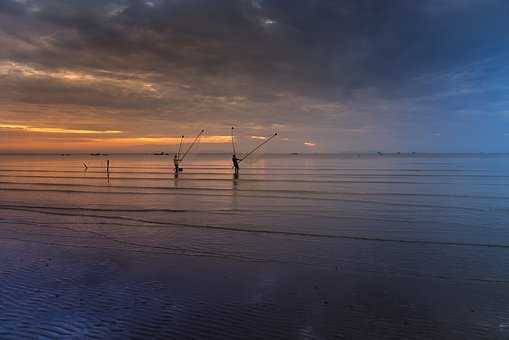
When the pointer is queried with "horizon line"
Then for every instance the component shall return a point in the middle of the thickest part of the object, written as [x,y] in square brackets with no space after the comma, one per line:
[97,154]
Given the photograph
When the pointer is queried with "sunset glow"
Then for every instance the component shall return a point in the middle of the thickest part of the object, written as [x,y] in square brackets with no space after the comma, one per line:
[146,70]
[56,130]
[166,140]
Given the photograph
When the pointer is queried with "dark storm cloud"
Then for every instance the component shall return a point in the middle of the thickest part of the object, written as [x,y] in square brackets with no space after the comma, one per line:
[351,65]
[328,43]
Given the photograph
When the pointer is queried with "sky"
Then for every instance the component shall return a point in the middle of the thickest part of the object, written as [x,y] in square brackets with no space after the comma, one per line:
[328,75]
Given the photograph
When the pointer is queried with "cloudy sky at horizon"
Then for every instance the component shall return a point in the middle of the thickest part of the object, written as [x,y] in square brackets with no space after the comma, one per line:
[329,75]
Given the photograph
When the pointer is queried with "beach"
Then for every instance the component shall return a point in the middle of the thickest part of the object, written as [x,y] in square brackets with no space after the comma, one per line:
[352,246]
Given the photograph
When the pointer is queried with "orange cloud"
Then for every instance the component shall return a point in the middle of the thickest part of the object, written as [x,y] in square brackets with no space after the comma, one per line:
[56,130]
[130,82]
[40,142]
[165,140]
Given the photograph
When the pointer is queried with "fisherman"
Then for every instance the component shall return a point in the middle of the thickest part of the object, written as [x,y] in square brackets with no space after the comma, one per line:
[176,163]
[235,162]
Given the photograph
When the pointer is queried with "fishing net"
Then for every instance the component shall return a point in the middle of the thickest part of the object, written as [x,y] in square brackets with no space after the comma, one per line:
[254,151]
[191,148]
[255,157]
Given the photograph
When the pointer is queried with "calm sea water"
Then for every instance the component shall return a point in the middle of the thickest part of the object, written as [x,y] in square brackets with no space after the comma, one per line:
[299,246]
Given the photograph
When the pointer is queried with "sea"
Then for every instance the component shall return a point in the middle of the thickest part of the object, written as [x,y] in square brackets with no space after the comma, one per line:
[298,246]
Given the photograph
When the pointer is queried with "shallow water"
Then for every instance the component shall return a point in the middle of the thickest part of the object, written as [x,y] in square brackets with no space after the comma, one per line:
[321,246]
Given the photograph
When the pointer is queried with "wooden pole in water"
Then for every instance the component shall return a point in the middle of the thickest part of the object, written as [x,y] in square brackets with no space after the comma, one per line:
[85,166]
[108,170]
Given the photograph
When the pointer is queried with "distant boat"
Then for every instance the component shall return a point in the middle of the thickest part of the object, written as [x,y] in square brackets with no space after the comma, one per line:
[295,153]
[161,154]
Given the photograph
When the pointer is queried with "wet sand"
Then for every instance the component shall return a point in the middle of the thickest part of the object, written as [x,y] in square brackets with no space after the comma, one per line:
[319,247]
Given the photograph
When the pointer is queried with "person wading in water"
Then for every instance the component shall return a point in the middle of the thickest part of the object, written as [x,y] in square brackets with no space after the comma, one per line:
[235,162]
[177,159]
[176,163]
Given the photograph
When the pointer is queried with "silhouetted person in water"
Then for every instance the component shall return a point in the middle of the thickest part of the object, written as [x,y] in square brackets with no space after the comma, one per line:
[176,163]
[235,162]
